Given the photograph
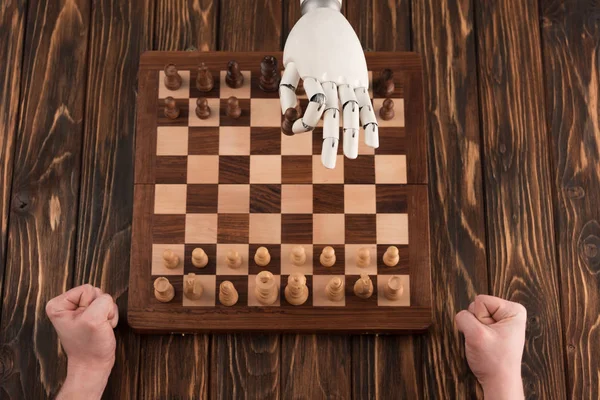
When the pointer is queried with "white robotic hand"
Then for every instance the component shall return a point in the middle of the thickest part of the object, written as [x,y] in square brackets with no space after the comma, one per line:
[325,52]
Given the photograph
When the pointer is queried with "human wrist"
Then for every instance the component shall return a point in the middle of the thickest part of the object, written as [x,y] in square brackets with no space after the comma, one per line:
[504,386]
[85,380]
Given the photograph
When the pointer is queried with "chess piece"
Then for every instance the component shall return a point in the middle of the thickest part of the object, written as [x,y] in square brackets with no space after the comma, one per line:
[391,257]
[171,109]
[296,291]
[363,287]
[202,108]
[233,259]
[298,256]
[228,295]
[384,86]
[393,288]
[262,258]
[266,290]
[192,287]
[170,259]
[163,290]
[234,78]
[269,74]
[233,108]
[199,258]
[335,289]
[386,112]
[363,257]
[172,78]
[204,79]
[290,116]
[327,257]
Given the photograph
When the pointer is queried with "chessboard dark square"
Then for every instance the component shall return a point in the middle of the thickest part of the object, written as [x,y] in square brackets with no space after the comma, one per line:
[353,300]
[296,169]
[265,199]
[211,252]
[274,266]
[296,228]
[257,93]
[240,282]
[361,170]
[328,199]
[233,228]
[181,120]
[361,228]
[403,266]
[171,169]
[318,141]
[214,93]
[203,140]
[284,303]
[392,140]
[168,229]
[391,199]
[265,140]
[339,268]
[234,169]
[244,118]
[202,199]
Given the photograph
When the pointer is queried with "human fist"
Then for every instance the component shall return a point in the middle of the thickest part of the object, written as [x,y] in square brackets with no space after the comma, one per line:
[494,332]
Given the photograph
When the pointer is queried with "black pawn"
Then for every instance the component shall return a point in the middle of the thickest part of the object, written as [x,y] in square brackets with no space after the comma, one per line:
[234,78]
[171,109]
[269,74]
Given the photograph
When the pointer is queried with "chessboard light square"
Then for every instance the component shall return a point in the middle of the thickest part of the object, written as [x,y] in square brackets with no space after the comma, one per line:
[402,301]
[363,149]
[203,169]
[328,229]
[296,199]
[234,140]
[265,228]
[201,228]
[392,228]
[360,199]
[223,268]
[241,93]
[326,175]
[181,93]
[288,268]
[296,145]
[320,298]
[209,283]
[252,301]
[158,265]
[265,169]
[390,169]
[212,120]
[397,121]
[265,112]
[172,141]
[234,199]
[170,199]
[351,254]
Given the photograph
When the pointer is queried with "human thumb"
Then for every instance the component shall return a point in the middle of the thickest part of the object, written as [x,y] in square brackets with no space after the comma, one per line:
[467,323]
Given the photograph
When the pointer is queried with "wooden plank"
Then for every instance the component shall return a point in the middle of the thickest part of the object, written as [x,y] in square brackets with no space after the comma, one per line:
[381,25]
[107,168]
[570,48]
[522,253]
[248,25]
[41,233]
[186,25]
[12,35]
[443,33]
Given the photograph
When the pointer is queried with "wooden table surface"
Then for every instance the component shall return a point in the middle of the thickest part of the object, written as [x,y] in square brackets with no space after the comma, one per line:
[513,121]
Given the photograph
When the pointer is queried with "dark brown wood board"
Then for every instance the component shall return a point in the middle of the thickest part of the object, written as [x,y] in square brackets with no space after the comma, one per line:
[570,45]
[145,312]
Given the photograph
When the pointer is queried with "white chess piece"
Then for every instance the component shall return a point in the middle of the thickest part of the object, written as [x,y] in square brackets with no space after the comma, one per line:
[325,52]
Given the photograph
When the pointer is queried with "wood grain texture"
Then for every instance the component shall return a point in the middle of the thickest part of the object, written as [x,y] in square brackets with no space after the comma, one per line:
[518,183]
[381,25]
[12,34]
[444,36]
[41,234]
[174,367]
[186,25]
[106,197]
[571,42]
[249,25]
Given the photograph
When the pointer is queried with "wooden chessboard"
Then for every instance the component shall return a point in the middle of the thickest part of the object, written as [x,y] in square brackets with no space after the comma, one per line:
[237,184]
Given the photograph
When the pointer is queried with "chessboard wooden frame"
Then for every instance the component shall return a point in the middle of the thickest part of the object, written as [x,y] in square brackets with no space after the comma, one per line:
[164,318]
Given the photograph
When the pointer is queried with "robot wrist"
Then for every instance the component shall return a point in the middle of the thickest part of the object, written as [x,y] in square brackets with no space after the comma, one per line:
[309,5]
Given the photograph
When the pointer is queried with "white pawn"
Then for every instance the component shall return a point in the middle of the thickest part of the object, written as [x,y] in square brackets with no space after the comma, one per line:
[262,258]
[327,257]
[199,258]
[233,259]
[298,256]
[363,257]
[170,259]
[391,256]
